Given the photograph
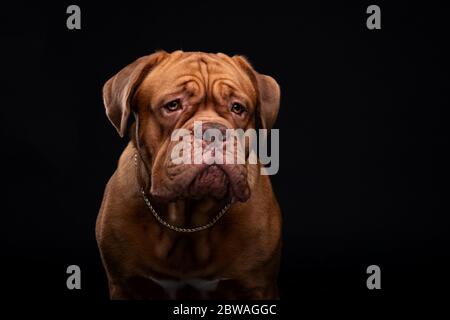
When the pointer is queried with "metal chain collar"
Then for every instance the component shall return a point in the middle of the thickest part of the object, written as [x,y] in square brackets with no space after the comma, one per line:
[170,226]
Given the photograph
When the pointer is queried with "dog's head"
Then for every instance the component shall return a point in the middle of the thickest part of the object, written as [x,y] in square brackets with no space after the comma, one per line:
[174,91]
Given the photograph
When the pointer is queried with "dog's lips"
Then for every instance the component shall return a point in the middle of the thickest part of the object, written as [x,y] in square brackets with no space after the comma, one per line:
[219,181]
[211,181]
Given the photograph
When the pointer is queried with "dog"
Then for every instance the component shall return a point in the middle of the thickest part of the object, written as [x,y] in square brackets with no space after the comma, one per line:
[188,231]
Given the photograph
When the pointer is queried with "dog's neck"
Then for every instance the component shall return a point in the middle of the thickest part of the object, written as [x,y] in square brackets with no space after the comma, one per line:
[188,213]
[182,213]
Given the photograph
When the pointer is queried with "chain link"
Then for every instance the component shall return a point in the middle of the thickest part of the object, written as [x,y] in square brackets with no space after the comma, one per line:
[170,226]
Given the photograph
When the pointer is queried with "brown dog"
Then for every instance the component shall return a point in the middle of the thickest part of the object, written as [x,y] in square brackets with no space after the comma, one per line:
[163,230]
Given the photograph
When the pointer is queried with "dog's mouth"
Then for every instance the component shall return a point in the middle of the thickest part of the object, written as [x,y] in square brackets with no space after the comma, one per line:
[219,182]
[212,181]
[196,182]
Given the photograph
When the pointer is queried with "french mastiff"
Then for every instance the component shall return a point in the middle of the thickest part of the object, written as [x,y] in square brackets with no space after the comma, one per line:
[188,231]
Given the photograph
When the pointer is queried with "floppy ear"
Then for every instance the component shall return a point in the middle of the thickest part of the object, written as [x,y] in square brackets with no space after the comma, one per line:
[268,92]
[118,91]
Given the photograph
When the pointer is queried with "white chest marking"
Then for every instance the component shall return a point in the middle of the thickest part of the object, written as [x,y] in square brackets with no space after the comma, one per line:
[171,287]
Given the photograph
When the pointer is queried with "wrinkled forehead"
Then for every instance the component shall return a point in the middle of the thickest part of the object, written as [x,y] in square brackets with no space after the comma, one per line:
[202,73]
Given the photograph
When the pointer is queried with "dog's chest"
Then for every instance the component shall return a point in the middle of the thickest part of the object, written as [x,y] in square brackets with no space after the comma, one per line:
[203,287]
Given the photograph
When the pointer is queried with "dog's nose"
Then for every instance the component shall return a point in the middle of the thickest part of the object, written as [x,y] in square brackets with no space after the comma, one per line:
[214,126]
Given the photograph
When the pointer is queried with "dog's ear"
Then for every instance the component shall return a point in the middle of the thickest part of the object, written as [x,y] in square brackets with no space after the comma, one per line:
[268,92]
[119,90]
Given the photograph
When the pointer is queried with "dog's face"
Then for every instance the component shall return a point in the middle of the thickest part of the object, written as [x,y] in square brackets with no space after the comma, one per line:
[174,91]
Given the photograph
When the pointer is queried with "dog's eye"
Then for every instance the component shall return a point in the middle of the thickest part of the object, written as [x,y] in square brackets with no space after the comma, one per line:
[173,105]
[237,108]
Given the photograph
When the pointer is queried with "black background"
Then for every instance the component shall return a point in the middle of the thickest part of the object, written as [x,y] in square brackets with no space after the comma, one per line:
[363,172]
